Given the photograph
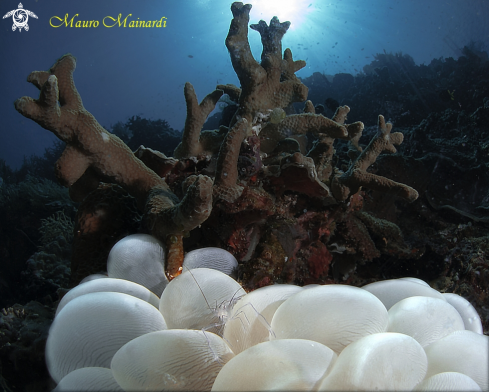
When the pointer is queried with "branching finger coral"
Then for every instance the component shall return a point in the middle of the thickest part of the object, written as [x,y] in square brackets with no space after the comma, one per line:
[272,83]
[89,145]
[264,184]
[357,175]
[193,143]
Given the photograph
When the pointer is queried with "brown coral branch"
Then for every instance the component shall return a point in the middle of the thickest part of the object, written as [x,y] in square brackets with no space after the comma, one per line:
[155,160]
[322,153]
[262,85]
[298,174]
[340,114]
[230,89]
[315,123]
[303,123]
[271,37]
[162,218]
[262,89]
[291,88]
[197,114]
[357,175]
[354,129]
[244,64]
[89,145]
[309,107]
[290,67]
[225,186]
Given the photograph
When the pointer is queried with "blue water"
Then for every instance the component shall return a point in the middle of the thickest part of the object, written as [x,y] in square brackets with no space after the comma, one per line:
[123,72]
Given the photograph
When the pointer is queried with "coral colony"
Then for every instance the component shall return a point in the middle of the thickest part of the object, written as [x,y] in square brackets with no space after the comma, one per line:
[255,187]
[261,197]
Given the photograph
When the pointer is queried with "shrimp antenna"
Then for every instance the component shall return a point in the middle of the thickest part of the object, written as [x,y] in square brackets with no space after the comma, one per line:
[217,358]
[200,289]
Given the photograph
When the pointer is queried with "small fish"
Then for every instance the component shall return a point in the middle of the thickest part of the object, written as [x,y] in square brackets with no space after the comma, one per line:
[190,56]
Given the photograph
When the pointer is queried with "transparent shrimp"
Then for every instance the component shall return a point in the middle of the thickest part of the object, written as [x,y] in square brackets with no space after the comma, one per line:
[226,312]
[250,322]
